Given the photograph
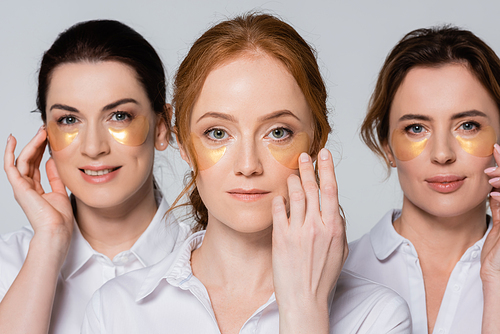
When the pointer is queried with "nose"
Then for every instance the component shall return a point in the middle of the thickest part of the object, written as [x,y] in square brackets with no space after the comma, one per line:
[443,148]
[94,141]
[248,160]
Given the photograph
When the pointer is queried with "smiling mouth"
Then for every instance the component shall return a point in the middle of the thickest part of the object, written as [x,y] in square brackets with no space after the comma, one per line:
[98,172]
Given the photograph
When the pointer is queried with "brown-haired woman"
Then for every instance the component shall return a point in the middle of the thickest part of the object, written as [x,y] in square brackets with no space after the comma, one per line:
[101,94]
[435,116]
[249,103]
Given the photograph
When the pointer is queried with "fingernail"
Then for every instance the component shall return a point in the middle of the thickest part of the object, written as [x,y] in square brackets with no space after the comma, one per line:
[496,179]
[304,157]
[8,138]
[323,154]
[495,194]
[497,148]
[39,129]
[490,170]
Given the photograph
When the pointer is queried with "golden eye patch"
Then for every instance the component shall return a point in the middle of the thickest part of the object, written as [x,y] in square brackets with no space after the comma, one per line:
[206,157]
[59,138]
[288,154]
[405,149]
[481,145]
[134,134]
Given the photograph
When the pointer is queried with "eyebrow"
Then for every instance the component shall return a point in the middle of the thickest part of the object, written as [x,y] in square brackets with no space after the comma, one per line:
[278,114]
[419,117]
[105,108]
[470,113]
[220,115]
[274,115]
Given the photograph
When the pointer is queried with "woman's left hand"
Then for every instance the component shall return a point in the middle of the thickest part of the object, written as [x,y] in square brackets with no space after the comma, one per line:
[309,247]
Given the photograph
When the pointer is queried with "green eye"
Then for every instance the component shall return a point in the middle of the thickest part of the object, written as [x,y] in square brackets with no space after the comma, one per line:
[218,134]
[279,133]
[120,116]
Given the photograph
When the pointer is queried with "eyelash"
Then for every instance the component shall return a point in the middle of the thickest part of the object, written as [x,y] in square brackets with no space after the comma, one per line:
[61,120]
[287,136]
[476,125]
[128,115]
[207,134]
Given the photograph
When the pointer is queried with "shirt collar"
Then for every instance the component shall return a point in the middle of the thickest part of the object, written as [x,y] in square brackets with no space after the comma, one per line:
[155,243]
[175,268]
[159,238]
[384,238]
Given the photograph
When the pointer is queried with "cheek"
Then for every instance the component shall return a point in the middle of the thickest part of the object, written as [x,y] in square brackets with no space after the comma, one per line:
[404,149]
[481,145]
[59,139]
[135,134]
[288,155]
[206,157]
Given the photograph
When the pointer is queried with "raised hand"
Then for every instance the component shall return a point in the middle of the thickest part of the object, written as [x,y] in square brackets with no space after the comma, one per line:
[309,247]
[49,213]
[490,256]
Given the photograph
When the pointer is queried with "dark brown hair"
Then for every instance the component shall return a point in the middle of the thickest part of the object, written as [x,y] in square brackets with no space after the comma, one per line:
[106,40]
[430,47]
[249,34]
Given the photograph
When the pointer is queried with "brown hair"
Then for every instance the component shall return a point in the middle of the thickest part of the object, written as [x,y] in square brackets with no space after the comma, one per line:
[247,34]
[431,47]
[106,40]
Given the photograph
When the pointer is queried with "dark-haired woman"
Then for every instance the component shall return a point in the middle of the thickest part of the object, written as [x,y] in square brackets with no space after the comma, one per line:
[435,116]
[101,95]
[251,117]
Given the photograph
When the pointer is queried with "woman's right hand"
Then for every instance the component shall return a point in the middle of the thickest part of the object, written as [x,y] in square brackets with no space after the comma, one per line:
[50,214]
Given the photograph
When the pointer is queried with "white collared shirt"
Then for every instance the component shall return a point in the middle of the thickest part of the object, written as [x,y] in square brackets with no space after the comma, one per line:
[386,257]
[168,298]
[85,270]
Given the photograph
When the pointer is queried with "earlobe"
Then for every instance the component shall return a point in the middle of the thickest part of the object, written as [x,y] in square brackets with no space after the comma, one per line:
[162,132]
[389,155]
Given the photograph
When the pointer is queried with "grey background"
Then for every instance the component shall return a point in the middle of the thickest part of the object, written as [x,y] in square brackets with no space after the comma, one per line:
[352,39]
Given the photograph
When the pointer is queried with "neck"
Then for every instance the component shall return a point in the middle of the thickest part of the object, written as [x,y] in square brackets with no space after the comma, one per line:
[232,260]
[443,238]
[115,229]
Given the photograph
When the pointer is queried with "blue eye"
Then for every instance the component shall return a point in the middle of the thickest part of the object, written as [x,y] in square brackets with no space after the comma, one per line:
[120,116]
[416,128]
[217,134]
[469,126]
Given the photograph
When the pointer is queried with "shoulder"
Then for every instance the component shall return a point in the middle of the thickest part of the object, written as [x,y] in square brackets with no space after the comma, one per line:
[13,250]
[369,307]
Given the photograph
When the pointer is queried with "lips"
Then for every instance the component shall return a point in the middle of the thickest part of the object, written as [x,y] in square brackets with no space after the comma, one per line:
[99,174]
[445,183]
[247,195]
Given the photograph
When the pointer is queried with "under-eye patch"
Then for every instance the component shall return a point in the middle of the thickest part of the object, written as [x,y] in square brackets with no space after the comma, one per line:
[58,138]
[134,134]
[480,145]
[288,154]
[205,156]
[404,148]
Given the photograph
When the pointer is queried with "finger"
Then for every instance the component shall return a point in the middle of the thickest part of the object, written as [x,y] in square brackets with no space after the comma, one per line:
[31,153]
[297,201]
[280,219]
[309,184]
[328,185]
[9,161]
[53,175]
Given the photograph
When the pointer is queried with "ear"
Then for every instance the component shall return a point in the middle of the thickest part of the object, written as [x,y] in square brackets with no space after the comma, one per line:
[389,154]
[162,131]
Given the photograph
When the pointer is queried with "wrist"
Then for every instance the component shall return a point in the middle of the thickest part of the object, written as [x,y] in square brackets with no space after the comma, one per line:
[51,247]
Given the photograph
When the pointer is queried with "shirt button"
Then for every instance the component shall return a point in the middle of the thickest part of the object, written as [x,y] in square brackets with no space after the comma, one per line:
[474,254]
[456,287]
[441,331]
